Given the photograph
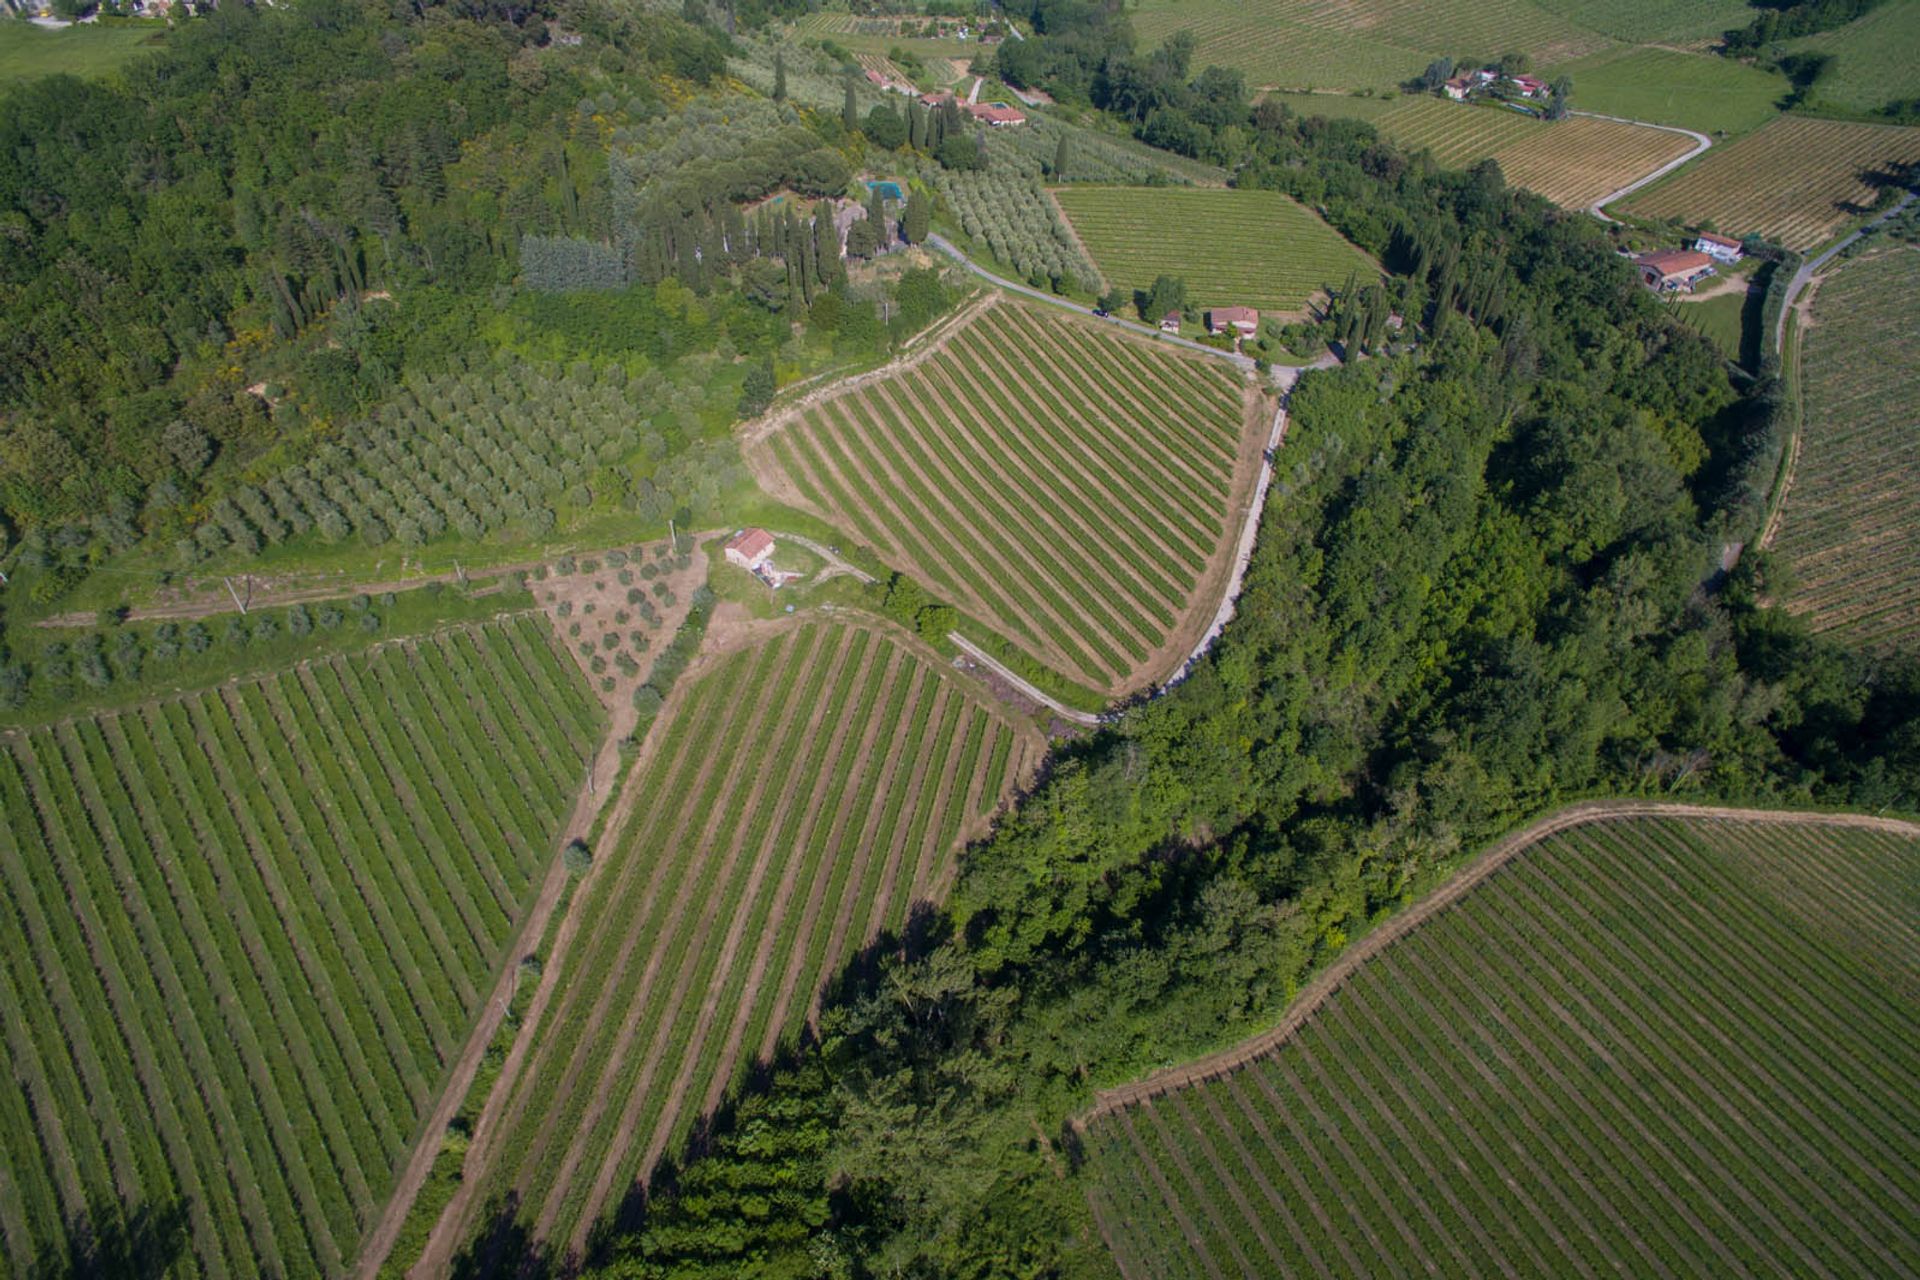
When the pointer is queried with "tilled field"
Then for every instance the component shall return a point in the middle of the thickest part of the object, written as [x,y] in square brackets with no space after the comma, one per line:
[801,796]
[1643,1046]
[1797,180]
[242,933]
[1850,526]
[1571,162]
[1075,490]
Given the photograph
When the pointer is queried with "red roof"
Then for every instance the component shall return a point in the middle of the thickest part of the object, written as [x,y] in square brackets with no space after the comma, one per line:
[993,113]
[1459,82]
[1530,82]
[751,543]
[1674,262]
[1711,238]
[1172,317]
[1232,315]
[936,98]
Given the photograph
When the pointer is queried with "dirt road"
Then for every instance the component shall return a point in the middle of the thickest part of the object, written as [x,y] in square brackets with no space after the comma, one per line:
[1599,207]
[1027,688]
[1330,979]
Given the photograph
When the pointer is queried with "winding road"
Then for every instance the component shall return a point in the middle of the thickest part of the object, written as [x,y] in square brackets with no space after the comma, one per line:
[1599,207]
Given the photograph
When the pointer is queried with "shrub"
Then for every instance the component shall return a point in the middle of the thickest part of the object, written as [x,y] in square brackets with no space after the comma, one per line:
[578,859]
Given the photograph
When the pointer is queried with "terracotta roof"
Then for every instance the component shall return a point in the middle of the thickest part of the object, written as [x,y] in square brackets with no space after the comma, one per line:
[1233,315]
[1674,262]
[993,113]
[1459,82]
[1172,317]
[751,543]
[1711,238]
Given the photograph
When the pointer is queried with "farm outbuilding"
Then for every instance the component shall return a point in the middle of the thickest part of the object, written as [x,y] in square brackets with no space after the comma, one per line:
[1673,270]
[750,548]
[1721,248]
[996,114]
[1170,323]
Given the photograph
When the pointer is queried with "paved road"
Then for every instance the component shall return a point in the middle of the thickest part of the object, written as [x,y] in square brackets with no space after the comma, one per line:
[1013,286]
[1598,207]
[1812,268]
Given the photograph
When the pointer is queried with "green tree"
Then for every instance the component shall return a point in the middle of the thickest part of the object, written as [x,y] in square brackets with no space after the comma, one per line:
[884,127]
[779,75]
[919,218]
[850,110]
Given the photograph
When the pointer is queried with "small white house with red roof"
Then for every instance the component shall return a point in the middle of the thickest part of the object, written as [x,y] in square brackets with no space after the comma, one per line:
[1529,86]
[1673,270]
[1459,87]
[750,548]
[1170,323]
[998,115]
[1240,322]
[1721,248]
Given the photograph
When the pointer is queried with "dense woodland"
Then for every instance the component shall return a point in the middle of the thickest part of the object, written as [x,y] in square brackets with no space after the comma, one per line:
[1486,583]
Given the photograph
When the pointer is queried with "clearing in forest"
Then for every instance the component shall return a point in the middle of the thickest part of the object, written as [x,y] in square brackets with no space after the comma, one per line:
[243,933]
[1359,44]
[1797,180]
[1233,247]
[1850,526]
[1074,489]
[1643,1045]
[1572,162]
[793,803]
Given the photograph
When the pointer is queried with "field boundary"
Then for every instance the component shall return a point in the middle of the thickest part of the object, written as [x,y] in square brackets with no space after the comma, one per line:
[1217,1065]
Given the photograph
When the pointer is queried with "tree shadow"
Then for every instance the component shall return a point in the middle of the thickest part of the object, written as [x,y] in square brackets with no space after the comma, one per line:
[504,1247]
[104,1242]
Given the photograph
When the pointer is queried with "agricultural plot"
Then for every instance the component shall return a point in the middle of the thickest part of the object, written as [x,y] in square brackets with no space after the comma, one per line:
[807,791]
[1233,247]
[1304,44]
[1850,526]
[1876,58]
[88,50]
[243,933]
[1797,180]
[1646,1046]
[1700,91]
[1571,162]
[1073,489]
[1664,21]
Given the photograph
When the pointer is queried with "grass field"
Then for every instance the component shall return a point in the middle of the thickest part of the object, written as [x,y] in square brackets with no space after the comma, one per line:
[1850,527]
[1729,320]
[1797,180]
[1069,488]
[1876,59]
[27,51]
[244,932]
[1647,1046]
[1303,44]
[1247,248]
[1700,91]
[811,787]
[1571,162]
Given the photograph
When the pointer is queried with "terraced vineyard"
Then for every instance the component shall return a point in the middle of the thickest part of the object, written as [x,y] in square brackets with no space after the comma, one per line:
[1797,180]
[1850,526]
[1299,44]
[1571,162]
[1233,247]
[812,787]
[243,932]
[1644,1046]
[1072,489]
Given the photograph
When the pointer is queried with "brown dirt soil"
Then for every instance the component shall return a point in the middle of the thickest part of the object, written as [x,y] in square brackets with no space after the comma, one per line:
[595,606]
[1217,1065]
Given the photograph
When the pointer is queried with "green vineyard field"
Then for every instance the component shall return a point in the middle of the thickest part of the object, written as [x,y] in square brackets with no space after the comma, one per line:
[245,931]
[1850,527]
[1068,487]
[1797,180]
[1233,248]
[809,790]
[1700,91]
[1875,58]
[1645,1046]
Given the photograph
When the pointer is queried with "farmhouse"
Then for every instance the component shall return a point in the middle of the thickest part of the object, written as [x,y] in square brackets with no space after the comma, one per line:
[750,548]
[997,114]
[1240,322]
[1671,270]
[1528,86]
[1170,323]
[1459,87]
[1719,247]
[935,98]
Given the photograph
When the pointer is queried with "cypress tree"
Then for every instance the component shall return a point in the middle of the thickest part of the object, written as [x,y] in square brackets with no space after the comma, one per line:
[779,75]
[877,214]
[916,125]
[850,110]
[919,218]
[1060,156]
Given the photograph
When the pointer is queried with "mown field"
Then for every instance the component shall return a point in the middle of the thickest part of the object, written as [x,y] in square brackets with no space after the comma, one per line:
[1571,162]
[1303,44]
[27,51]
[1646,1046]
[1850,527]
[244,932]
[1245,248]
[1876,58]
[810,789]
[1664,21]
[1700,91]
[1071,489]
[1797,180]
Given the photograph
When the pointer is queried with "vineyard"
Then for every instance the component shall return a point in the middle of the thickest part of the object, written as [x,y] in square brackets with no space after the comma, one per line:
[1645,1046]
[1297,44]
[1070,488]
[1797,180]
[1233,247]
[1667,21]
[1665,86]
[1876,58]
[1850,526]
[812,788]
[1571,162]
[244,932]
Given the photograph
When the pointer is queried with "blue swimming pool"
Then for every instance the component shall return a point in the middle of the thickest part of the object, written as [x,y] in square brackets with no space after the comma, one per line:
[888,190]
